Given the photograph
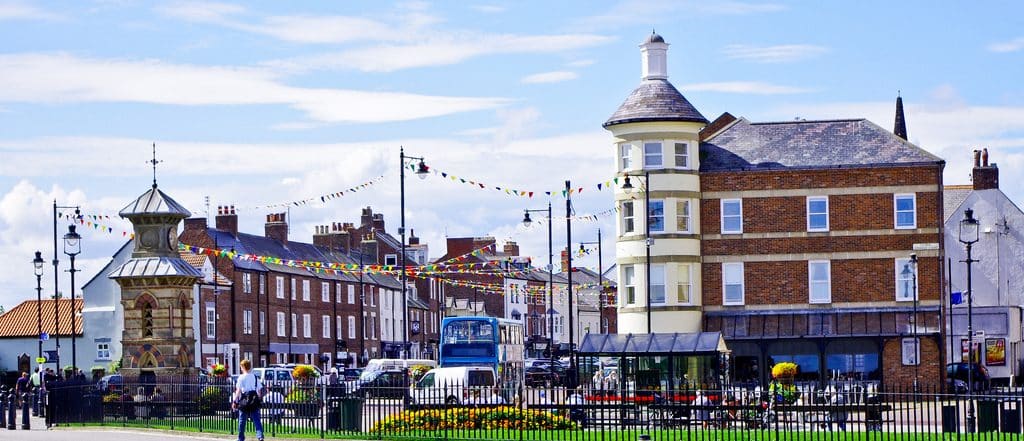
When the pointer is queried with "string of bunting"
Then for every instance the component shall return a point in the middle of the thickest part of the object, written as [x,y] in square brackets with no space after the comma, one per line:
[82,219]
[323,199]
[511,191]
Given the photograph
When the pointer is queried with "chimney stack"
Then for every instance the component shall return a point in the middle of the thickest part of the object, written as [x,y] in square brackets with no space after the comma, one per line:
[511,248]
[413,240]
[366,218]
[984,175]
[378,222]
[227,220]
[276,227]
[368,246]
[195,224]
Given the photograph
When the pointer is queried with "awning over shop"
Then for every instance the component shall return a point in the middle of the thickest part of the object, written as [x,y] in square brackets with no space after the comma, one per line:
[652,344]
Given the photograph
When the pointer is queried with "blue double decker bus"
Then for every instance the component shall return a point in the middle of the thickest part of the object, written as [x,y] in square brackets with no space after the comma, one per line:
[485,341]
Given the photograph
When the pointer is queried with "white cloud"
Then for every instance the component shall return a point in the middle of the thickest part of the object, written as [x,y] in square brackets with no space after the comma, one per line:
[489,9]
[1013,45]
[16,10]
[550,77]
[645,12]
[747,87]
[438,51]
[580,63]
[42,78]
[773,54]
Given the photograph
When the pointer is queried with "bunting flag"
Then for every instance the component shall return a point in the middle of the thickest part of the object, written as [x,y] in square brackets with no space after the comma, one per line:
[512,191]
[323,198]
[94,225]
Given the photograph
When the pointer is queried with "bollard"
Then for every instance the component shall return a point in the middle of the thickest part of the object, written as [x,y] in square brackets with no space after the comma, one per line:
[35,401]
[25,425]
[12,411]
[3,407]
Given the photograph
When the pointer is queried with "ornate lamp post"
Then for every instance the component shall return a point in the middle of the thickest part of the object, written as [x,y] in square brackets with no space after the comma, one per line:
[551,278]
[56,279]
[73,247]
[600,280]
[968,237]
[648,241]
[37,265]
[421,171]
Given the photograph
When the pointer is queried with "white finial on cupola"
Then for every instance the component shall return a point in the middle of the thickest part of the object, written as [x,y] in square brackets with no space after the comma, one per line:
[654,58]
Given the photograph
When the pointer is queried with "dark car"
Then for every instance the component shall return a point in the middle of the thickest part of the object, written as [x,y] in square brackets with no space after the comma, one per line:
[958,372]
[351,373]
[385,384]
[110,384]
[542,376]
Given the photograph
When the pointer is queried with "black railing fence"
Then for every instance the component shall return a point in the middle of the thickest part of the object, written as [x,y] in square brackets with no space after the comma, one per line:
[454,411]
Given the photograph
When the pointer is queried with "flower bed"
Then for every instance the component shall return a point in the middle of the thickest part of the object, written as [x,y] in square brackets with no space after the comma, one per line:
[462,418]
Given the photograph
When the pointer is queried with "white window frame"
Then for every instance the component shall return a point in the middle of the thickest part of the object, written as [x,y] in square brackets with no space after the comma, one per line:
[684,269]
[263,322]
[810,227]
[628,217]
[337,292]
[280,286]
[683,216]
[307,326]
[293,287]
[896,212]
[305,290]
[325,323]
[281,325]
[392,258]
[900,281]
[351,294]
[325,292]
[351,326]
[649,162]
[247,283]
[295,325]
[337,326]
[211,322]
[811,283]
[625,156]
[263,284]
[651,215]
[247,322]
[103,351]
[685,156]
[657,282]
[736,266]
[723,203]
[629,284]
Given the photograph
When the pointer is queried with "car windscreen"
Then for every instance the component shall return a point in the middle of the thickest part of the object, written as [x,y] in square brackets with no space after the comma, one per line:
[481,378]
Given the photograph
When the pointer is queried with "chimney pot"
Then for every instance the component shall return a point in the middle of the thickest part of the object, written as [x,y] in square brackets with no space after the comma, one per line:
[977,158]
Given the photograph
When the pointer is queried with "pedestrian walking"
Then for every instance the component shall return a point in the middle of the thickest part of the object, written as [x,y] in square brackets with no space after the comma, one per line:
[247,400]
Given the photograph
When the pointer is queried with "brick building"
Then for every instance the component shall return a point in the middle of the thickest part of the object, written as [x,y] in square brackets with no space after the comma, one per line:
[792,239]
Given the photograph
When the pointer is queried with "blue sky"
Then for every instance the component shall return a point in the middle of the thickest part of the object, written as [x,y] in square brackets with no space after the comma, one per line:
[265,102]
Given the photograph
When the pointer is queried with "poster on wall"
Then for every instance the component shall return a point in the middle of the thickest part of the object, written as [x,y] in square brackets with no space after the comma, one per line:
[995,351]
[964,349]
[911,352]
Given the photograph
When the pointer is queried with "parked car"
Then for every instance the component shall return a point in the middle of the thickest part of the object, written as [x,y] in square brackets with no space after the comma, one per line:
[541,376]
[349,374]
[453,386]
[391,383]
[275,378]
[112,383]
[958,371]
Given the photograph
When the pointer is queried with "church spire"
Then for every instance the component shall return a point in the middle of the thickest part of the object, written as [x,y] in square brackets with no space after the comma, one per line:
[900,127]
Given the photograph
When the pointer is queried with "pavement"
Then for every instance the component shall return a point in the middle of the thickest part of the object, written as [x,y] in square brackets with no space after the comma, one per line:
[109,434]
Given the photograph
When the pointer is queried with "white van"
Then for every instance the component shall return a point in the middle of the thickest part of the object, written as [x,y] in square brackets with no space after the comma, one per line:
[454,386]
[387,364]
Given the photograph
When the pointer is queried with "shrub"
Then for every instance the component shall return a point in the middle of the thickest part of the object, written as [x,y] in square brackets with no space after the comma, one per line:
[219,370]
[304,372]
[112,397]
[784,370]
[418,371]
[212,399]
[299,395]
[505,417]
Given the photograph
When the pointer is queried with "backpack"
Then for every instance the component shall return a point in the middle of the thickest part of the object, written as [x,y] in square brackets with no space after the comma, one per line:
[251,400]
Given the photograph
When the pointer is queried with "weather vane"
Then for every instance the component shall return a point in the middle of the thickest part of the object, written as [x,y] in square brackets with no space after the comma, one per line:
[154,162]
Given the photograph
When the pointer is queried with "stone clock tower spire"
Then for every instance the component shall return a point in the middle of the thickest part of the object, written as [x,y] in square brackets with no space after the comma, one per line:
[156,293]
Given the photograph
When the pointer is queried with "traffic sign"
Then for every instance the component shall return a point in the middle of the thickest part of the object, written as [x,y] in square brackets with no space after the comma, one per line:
[44,337]
[40,359]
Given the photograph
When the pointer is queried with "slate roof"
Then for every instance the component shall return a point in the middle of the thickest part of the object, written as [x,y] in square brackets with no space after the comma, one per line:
[952,197]
[807,144]
[155,266]
[20,321]
[198,261]
[655,100]
[154,201]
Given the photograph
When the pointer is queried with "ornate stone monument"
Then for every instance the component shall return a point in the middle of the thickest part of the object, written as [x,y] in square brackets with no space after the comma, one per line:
[156,292]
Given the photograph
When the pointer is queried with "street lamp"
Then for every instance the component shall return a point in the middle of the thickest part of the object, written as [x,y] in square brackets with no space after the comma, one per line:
[421,171]
[968,237]
[574,376]
[551,278]
[600,279]
[910,276]
[73,247]
[37,265]
[56,279]
[648,241]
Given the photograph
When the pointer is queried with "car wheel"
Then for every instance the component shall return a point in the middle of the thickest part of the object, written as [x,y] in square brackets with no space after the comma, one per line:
[451,401]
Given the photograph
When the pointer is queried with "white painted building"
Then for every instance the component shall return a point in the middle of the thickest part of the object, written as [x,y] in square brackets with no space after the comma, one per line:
[997,280]
[103,314]
[656,133]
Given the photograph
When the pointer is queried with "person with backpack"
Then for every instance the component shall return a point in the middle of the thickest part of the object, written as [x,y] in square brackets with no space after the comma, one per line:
[247,399]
